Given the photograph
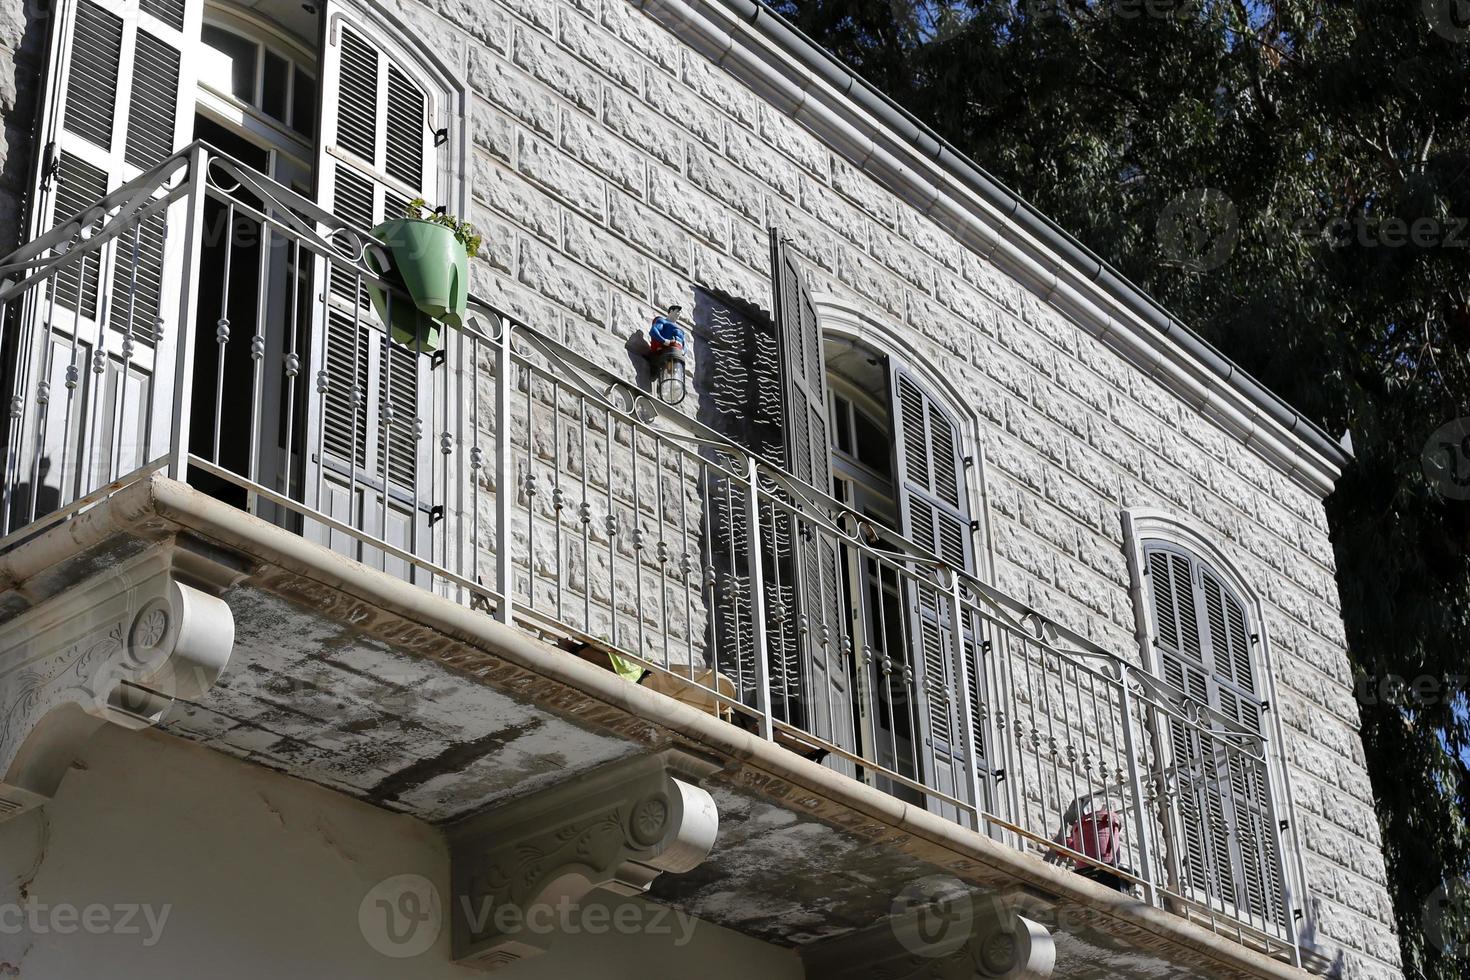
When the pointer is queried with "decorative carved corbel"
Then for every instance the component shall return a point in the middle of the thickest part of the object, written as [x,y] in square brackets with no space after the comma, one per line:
[514,869]
[119,648]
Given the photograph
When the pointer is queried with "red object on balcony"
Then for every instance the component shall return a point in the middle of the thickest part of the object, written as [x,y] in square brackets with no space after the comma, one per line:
[1098,834]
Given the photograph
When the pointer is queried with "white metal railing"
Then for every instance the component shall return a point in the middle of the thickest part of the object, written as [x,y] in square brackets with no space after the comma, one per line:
[518,476]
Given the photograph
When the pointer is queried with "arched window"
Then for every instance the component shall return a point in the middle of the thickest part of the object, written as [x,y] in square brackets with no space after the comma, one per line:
[867,662]
[896,445]
[1216,750]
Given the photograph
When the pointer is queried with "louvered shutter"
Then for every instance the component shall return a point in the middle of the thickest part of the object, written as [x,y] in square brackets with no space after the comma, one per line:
[117,100]
[935,516]
[376,153]
[120,99]
[1227,852]
[812,655]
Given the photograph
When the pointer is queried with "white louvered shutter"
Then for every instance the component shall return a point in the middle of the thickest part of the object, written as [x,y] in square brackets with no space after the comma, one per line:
[121,99]
[935,514]
[376,153]
[1226,850]
[810,647]
[118,99]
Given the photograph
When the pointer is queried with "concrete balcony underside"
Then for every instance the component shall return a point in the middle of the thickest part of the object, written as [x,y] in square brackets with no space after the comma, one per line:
[373,687]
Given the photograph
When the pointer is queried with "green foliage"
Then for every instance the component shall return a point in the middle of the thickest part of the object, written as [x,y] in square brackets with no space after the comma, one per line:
[1261,168]
[464,232]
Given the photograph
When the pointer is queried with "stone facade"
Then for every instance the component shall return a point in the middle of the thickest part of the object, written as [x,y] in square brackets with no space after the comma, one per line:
[23,30]
[615,171]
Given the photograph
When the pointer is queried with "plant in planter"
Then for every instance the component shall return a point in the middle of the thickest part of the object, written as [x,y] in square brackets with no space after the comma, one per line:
[431,253]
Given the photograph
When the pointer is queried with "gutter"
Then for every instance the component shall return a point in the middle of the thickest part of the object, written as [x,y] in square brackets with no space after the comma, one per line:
[1210,381]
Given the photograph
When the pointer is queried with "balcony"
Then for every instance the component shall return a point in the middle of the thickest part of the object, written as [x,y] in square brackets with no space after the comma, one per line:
[206,325]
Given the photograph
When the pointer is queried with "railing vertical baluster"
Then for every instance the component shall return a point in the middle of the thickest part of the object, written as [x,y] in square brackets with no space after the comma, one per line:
[387,420]
[188,307]
[323,387]
[114,469]
[416,451]
[448,437]
[461,464]
[528,486]
[503,491]
[584,516]
[222,331]
[883,663]
[43,397]
[686,566]
[356,399]
[732,592]
[967,721]
[1133,756]
[910,626]
[477,460]
[96,473]
[27,354]
[292,361]
[824,638]
[557,501]
[257,355]
[638,611]
[783,613]
[1101,717]
[663,545]
[611,525]
[15,413]
[65,476]
[1069,732]
[756,575]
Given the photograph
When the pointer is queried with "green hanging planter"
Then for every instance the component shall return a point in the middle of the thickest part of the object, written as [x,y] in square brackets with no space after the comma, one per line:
[433,267]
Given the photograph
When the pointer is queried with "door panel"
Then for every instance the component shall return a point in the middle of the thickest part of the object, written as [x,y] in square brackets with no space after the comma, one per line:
[116,87]
[372,403]
[810,649]
[935,515]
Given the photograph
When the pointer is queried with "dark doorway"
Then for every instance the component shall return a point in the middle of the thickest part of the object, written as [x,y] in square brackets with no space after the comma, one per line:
[224,397]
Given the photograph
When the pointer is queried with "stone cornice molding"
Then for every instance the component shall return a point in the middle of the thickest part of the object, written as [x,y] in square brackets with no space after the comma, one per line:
[119,647]
[618,828]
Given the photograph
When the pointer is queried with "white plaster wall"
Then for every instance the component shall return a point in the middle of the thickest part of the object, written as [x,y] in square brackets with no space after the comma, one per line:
[256,875]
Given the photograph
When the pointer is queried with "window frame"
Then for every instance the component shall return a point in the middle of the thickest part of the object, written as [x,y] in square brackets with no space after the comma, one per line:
[444,182]
[1144,527]
[840,320]
[249,117]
